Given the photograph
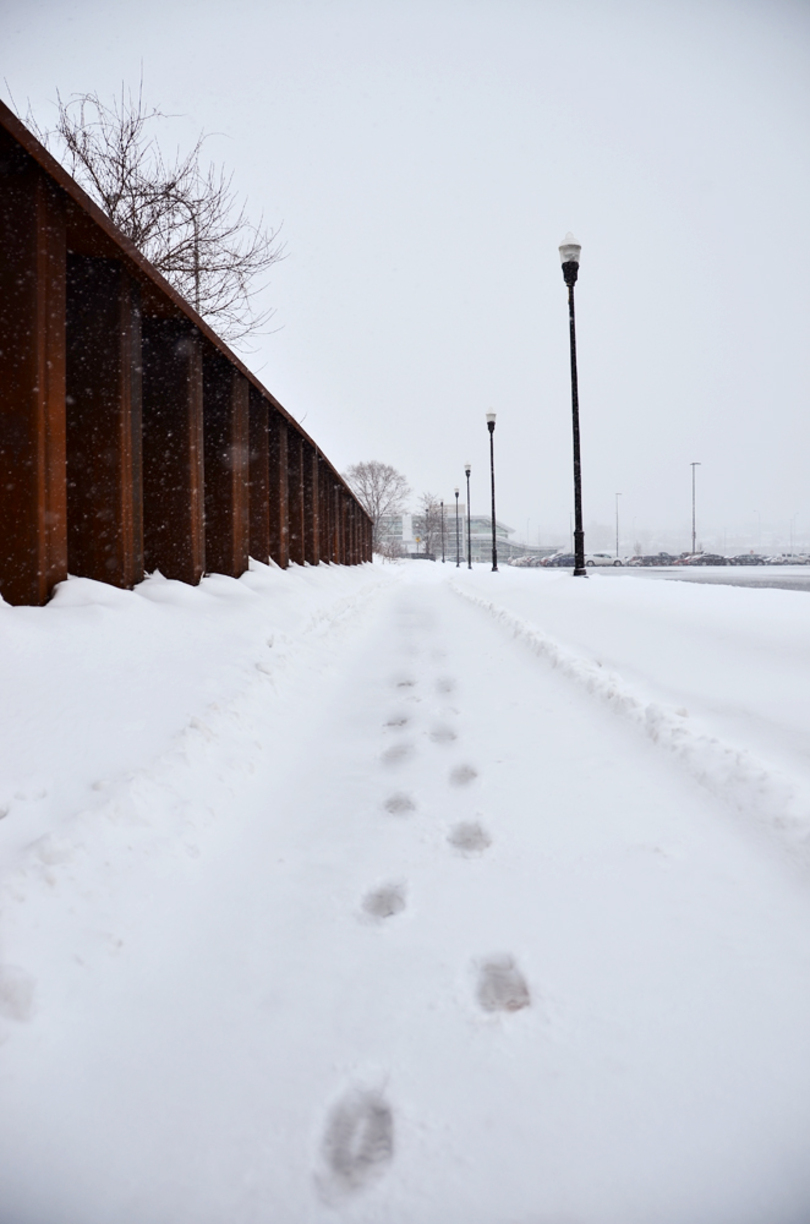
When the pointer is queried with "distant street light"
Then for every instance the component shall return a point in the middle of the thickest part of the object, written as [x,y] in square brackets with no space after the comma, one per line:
[458,537]
[491,428]
[467,470]
[569,255]
[442,506]
[693,466]
[618,495]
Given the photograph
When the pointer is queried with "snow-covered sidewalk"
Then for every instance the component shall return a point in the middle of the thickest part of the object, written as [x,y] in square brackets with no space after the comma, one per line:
[381,895]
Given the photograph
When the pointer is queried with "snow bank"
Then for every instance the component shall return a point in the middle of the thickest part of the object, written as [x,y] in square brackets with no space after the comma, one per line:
[377,917]
[653,640]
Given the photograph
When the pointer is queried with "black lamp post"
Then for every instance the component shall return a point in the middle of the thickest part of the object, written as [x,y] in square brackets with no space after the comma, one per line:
[569,254]
[491,428]
[467,470]
[458,536]
[442,506]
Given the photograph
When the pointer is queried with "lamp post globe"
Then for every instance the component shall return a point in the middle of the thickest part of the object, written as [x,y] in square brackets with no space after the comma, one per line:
[467,470]
[491,428]
[569,257]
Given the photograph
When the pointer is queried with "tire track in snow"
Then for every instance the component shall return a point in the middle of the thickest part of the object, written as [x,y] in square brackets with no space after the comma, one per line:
[734,775]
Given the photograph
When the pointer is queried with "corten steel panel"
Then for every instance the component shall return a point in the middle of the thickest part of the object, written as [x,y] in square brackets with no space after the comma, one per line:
[227,472]
[337,547]
[105,516]
[311,505]
[295,497]
[43,212]
[324,485]
[343,511]
[33,519]
[278,500]
[259,491]
[332,519]
[341,526]
[323,515]
[174,534]
[336,525]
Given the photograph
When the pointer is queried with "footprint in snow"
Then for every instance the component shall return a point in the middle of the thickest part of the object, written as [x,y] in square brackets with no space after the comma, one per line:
[405,684]
[398,804]
[385,902]
[358,1142]
[397,753]
[445,684]
[462,775]
[16,993]
[469,837]
[398,720]
[443,735]
[501,985]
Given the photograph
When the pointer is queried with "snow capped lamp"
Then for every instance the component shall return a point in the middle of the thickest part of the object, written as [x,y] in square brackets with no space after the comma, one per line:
[569,257]
[491,428]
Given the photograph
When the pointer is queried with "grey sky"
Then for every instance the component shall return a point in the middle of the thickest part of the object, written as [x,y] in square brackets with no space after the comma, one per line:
[426,160]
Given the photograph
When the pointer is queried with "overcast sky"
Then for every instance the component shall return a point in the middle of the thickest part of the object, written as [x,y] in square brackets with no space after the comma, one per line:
[426,159]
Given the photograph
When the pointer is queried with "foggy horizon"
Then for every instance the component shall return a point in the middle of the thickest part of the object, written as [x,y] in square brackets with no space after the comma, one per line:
[426,161]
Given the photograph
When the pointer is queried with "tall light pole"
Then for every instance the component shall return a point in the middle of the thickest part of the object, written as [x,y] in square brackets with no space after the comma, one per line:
[467,470]
[458,537]
[491,428]
[569,255]
[442,506]
[693,466]
[618,495]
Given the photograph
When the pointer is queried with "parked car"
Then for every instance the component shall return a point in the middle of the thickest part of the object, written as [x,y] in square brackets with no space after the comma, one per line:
[747,559]
[601,558]
[702,559]
[662,558]
[561,559]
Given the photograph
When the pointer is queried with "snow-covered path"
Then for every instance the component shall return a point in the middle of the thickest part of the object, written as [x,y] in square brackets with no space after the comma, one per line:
[410,929]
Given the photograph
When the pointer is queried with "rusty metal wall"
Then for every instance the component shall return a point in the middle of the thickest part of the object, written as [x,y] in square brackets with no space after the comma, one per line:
[131,437]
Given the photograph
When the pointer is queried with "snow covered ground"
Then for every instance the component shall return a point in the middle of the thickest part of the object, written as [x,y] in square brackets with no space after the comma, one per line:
[405,894]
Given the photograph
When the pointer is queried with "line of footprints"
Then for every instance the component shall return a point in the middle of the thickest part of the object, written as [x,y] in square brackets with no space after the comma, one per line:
[358,1142]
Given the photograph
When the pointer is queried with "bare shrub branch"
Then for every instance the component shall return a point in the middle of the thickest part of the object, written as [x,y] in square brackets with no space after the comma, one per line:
[428,519]
[381,491]
[184,217]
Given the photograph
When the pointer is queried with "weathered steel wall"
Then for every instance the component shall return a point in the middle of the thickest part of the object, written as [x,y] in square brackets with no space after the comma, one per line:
[131,437]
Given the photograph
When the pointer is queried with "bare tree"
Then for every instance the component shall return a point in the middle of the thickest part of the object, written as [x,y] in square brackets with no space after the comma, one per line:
[429,523]
[381,490]
[184,217]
